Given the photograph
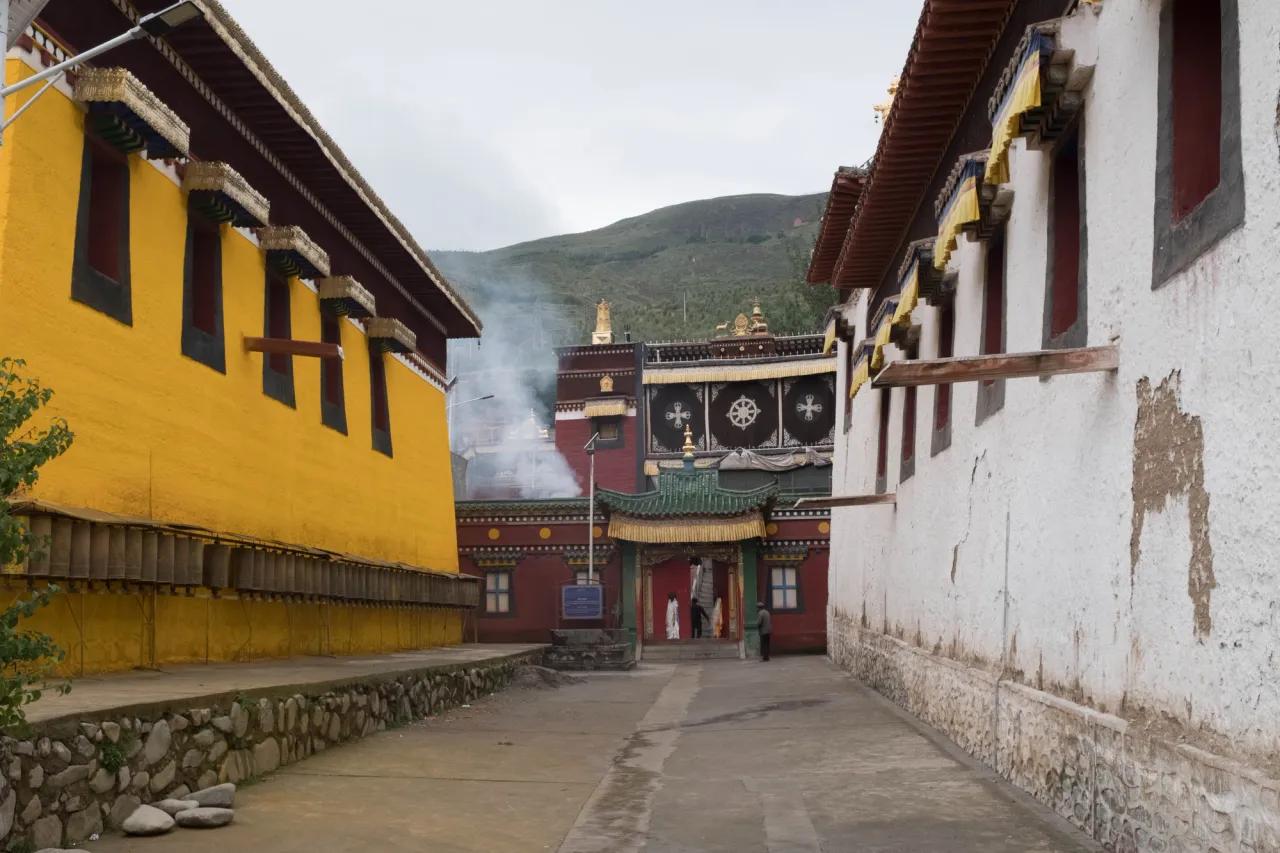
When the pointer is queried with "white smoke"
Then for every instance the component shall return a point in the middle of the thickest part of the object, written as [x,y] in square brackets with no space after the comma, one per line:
[502,407]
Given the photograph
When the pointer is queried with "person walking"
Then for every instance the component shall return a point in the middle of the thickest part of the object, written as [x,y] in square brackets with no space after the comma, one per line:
[765,625]
[673,617]
[696,615]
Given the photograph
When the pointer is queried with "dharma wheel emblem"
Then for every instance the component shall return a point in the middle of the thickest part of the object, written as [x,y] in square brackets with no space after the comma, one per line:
[678,415]
[809,408]
[743,412]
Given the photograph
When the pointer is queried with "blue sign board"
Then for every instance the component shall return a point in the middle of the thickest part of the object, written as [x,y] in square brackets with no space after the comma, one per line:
[582,601]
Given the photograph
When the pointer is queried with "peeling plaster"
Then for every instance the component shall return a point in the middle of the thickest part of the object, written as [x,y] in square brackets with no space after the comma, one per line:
[1168,461]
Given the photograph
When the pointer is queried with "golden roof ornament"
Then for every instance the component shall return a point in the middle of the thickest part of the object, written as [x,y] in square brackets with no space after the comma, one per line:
[688,442]
[604,324]
[606,384]
[882,109]
[744,325]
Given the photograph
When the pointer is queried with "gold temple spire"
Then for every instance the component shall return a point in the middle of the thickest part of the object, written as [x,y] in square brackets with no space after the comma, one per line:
[604,324]
[882,109]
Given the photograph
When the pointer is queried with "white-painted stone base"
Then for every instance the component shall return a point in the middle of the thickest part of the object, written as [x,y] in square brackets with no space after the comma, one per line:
[1127,788]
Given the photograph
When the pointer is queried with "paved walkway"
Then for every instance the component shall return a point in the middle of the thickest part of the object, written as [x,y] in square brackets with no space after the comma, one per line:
[177,685]
[736,756]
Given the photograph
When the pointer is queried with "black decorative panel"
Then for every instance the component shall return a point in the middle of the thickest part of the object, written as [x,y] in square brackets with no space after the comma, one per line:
[809,411]
[671,409]
[744,414]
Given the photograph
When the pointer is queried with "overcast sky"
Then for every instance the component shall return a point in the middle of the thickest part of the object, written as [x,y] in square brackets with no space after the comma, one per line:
[488,122]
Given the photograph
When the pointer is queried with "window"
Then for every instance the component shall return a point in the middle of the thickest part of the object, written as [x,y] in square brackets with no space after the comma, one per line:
[784,589]
[100,271]
[497,591]
[909,423]
[882,445]
[380,410]
[333,410]
[609,431]
[1197,102]
[991,391]
[277,368]
[1199,171]
[942,393]
[580,577]
[202,337]
[1064,324]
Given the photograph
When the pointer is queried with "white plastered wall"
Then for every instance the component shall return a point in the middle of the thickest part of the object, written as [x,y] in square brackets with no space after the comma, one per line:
[1044,486]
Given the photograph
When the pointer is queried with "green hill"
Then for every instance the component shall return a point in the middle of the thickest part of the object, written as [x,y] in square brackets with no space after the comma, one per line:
[672,273]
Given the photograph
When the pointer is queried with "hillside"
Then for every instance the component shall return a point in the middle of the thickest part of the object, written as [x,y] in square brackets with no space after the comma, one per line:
[672,273]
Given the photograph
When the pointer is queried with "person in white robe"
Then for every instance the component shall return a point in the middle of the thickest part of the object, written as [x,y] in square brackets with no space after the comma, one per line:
[673,617]
[717,619]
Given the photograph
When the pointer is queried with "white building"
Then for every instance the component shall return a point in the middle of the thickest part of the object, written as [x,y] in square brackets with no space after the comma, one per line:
[1078,577]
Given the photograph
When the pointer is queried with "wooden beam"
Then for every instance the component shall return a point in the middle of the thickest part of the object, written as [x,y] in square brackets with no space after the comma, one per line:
[846,500]
[976,368]
[288,346]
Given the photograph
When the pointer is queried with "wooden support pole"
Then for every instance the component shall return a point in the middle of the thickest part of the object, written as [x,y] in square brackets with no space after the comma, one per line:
[287,346]
[846,500]
[976,368]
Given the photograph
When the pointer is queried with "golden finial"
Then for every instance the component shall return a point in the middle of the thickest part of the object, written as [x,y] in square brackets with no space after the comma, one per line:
[606,384]
[688,442]
[604,324]
[882,109]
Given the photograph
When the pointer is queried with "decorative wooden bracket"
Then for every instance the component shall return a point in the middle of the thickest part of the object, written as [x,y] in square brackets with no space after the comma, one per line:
[288,346]
[977,368]
[846,500]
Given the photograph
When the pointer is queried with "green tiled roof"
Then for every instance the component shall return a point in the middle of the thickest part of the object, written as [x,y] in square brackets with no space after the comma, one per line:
[682,494]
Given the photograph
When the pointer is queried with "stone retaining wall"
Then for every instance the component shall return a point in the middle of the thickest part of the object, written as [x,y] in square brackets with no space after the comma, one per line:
[1125,787]
[74,777]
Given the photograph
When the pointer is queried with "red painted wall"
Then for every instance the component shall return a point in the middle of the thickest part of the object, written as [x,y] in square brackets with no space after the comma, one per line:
[615,467]
[535,608]
[803,630]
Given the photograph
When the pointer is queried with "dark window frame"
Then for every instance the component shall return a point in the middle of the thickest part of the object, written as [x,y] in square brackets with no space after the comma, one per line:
[509,591]
[1055,281]
[379,401]
[910,415]
[111,295]
[603,443]
[277,370]
[207,346]
[882,441]
[333,412]
[991,391]
[1179,242]
[943,394]
[798,587]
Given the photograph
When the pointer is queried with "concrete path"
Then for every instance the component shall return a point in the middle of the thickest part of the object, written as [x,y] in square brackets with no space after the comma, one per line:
[786,757]
[178,685]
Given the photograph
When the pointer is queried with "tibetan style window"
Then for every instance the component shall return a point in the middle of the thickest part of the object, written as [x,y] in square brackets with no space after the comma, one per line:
[100,270]
[1199,173]
[992,340]
[609,431]
[333,408]
[909,424]
[882,442]
[202,332]
[1065,318]
[942,393]
[497,592]
[784,589]
[379,406]
[277,368]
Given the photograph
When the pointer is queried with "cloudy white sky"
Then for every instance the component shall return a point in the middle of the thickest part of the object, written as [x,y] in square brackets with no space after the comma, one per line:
[488,122]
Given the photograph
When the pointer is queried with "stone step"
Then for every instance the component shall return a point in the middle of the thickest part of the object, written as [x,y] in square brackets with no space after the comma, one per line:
[691,650]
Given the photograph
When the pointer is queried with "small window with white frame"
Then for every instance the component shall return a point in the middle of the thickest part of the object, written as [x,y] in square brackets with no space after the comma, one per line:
[497,591]
[784,589]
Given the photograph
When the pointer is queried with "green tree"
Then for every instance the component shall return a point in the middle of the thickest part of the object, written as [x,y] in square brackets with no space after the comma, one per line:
[27,657]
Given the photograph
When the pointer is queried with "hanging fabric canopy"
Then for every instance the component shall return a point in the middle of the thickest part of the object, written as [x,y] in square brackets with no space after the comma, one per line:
[829,337]
[961,208]
[908,296]
[861,370]
[1021,95]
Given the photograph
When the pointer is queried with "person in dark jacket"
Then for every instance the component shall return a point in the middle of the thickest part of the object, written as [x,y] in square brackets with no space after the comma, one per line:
[765,624]
[696,615]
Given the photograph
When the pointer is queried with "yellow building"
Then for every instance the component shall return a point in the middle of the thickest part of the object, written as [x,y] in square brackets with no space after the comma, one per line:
[249,347]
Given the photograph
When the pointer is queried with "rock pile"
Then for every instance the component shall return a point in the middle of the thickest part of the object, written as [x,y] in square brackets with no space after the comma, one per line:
[204,809]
